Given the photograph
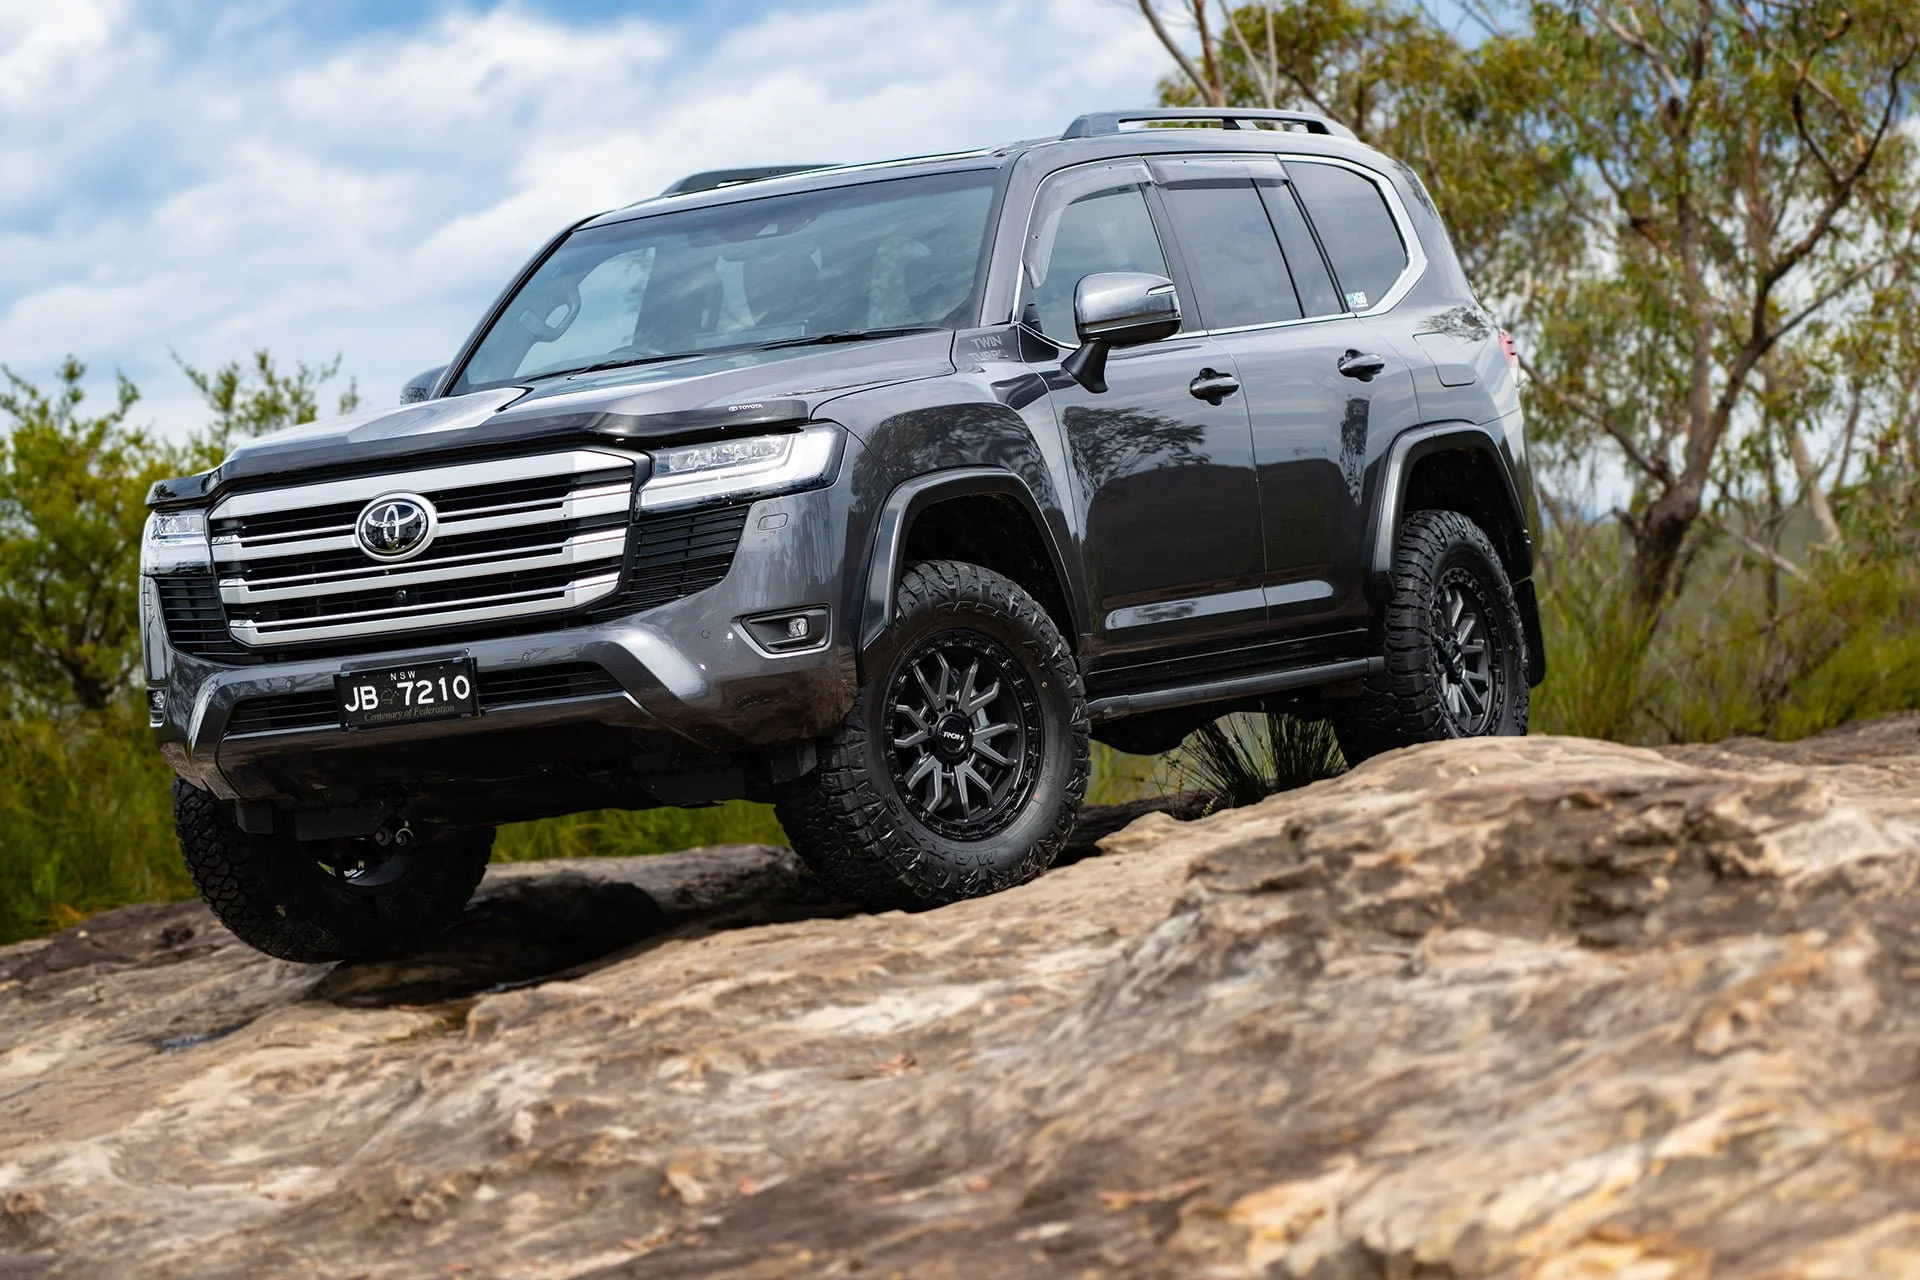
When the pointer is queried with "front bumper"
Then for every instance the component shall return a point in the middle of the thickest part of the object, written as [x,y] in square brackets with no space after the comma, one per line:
[677,704]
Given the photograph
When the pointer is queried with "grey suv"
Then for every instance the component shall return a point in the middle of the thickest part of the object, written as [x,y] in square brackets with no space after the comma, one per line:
[873,491]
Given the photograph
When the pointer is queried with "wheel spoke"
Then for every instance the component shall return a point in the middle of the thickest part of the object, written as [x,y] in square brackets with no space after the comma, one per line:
[986,751]
[921,768]
[926,686]
[980,701]
[939,797]
[960,777]
[1456,605]
[946,677]
[966,684]
[921,730]
[1463,629]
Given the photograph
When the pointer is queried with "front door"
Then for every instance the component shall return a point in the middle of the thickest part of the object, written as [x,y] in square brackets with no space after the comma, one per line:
[1168,505]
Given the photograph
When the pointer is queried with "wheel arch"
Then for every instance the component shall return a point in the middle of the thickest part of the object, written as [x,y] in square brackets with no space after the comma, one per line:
[996,500]
[1457,466]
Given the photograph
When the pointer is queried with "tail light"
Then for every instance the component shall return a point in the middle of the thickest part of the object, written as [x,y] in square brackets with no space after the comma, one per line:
[1513,352]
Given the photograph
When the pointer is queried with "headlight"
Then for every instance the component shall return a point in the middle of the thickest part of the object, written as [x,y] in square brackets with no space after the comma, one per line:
[175,542]
[749,467]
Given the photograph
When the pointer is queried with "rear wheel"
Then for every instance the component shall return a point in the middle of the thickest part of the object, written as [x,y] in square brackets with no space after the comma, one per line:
[961,767]
[326,900]
[1456,652]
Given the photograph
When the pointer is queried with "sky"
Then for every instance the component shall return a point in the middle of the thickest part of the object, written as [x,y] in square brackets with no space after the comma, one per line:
[360,177]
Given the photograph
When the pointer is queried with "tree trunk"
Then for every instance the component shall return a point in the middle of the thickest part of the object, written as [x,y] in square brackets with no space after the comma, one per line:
[1658,537]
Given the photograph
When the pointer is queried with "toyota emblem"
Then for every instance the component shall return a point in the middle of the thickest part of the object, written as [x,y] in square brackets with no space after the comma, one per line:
[395,526]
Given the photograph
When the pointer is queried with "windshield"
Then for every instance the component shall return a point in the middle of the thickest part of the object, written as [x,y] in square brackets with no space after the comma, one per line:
[898,254]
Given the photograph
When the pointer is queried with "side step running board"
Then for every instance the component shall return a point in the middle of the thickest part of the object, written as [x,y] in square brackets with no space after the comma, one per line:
[1100,710]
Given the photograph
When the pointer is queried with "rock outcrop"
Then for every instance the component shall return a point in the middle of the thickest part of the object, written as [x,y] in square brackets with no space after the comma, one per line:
[1544,1009]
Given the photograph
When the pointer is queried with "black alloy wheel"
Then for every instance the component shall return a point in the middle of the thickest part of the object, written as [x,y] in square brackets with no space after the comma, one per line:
[968,736]
[960,769]
[1470,674]
[1455,649]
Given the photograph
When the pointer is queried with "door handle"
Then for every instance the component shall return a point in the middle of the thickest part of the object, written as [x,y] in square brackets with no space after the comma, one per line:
[1213,386]
[1364,367]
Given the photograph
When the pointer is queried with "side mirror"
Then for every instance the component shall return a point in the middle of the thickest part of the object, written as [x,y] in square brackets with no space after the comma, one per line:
[1118,309]
[420,385]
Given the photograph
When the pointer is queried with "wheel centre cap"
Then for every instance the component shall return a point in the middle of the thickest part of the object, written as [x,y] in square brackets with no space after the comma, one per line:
[952,738]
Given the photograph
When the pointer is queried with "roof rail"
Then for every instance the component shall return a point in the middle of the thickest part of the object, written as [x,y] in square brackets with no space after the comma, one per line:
[713,179]
[1099,122]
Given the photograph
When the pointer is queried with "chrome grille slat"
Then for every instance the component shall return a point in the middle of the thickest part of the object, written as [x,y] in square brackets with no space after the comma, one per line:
[515,538]
[583,591]
[357,489]
[605,544]
[233,548]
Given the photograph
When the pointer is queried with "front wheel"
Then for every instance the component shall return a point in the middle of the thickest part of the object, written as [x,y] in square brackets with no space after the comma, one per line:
[326,900]
[961,767]
[1455,648]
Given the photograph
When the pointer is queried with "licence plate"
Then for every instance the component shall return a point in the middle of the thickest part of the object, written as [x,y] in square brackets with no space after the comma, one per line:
[406,695]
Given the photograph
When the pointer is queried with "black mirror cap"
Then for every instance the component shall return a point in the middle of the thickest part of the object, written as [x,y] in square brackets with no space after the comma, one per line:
[1125,308]
[420,386]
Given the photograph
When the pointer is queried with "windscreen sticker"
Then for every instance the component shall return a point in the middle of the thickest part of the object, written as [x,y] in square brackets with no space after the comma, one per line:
[1357,300]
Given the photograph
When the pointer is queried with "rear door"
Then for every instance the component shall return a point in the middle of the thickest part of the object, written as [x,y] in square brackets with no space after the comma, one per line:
[1316,399]
[1168,506]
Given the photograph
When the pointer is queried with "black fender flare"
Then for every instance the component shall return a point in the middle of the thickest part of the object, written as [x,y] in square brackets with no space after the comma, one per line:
[908,500]
[1384,521]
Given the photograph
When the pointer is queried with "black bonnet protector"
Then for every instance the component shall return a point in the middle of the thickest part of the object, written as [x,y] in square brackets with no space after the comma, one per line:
[659,404]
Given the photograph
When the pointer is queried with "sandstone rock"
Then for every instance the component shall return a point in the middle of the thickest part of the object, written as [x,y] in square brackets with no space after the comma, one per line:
[1544,1009]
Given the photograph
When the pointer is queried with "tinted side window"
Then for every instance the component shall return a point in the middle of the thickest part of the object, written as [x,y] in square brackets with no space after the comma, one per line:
[1351,216]
[1107,230]
[1318,296]
[1235,262]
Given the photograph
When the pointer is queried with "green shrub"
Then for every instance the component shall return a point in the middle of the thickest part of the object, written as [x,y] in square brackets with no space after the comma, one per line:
[86,822]
[616,833]
[1243,759]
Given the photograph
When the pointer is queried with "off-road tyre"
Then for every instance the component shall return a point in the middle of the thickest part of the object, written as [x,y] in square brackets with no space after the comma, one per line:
[1440,556]
[875,838]
[277,895]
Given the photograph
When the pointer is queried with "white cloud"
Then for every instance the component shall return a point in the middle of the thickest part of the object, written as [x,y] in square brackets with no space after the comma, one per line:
[239,190]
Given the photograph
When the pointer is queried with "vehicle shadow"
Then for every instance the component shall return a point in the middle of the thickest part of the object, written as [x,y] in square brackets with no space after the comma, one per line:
[539,922]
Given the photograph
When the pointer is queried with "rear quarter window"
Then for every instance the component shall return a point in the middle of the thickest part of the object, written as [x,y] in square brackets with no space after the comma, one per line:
[1359,233]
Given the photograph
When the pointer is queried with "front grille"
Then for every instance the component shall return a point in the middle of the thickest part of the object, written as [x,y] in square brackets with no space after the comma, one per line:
[320,708]
[516,539]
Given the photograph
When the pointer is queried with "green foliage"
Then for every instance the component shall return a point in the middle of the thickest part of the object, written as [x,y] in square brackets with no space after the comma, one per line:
[86,821]
[72,503]
[1750,649]
[617,833]
[255,397]
[1245,758]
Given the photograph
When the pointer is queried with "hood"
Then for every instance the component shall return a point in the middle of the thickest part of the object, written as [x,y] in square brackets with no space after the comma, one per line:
[699,395]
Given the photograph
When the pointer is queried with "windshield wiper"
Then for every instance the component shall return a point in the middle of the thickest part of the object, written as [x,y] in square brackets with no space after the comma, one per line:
[624,362]
[850,335]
